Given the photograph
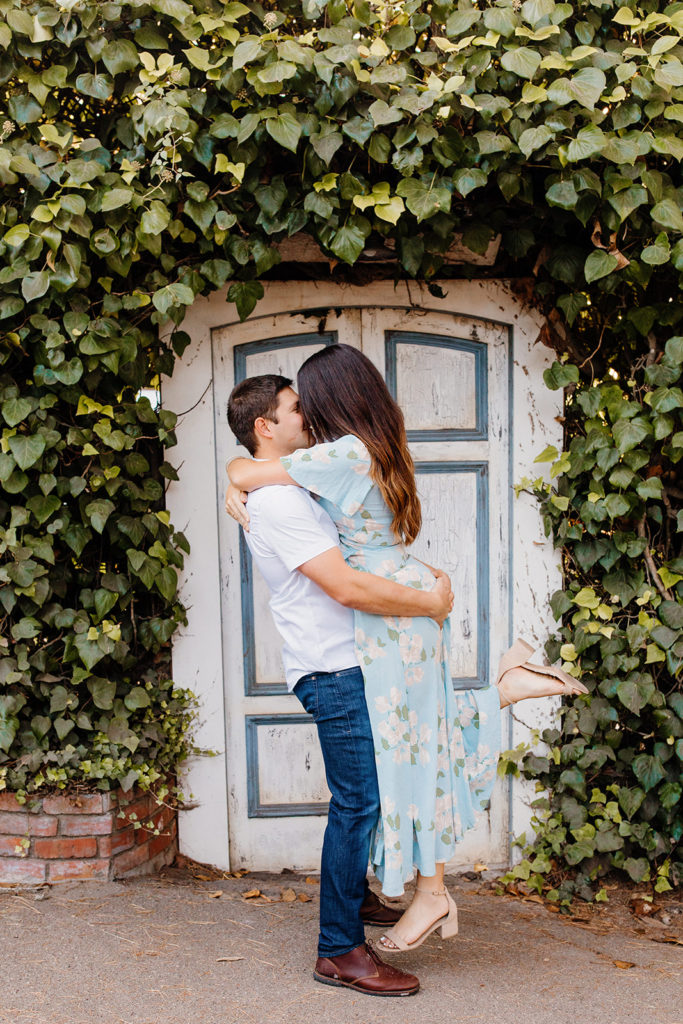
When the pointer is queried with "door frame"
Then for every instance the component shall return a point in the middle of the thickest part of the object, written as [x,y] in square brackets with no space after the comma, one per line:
[195,504]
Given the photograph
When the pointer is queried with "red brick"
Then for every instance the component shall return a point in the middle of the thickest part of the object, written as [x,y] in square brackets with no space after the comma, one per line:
[8,846]
[79,803]
[10,823]
[130,859]
[9,802]
[66,870]
[143,807]
[158,844]
[51,849]
[42,824]
[117,842]
[21,870]
[87,824]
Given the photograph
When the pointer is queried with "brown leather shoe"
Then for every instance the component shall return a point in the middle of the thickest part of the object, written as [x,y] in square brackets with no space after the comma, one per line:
[362,970]
[374,911]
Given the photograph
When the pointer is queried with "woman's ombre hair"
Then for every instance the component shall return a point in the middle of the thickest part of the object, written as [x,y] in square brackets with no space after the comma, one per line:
[341,392]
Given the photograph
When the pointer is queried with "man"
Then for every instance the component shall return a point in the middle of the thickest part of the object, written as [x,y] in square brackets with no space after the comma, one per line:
[296,547]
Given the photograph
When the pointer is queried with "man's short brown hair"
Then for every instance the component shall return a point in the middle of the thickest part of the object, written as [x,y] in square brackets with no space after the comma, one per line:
[250,399]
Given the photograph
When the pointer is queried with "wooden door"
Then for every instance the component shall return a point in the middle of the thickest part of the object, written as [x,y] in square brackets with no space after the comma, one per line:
[449,374]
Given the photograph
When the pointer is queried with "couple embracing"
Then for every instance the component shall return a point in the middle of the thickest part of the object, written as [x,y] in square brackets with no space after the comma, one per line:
[332,509]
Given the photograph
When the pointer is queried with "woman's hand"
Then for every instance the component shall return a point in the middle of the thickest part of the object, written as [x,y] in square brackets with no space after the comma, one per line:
[235,501]
[444,597]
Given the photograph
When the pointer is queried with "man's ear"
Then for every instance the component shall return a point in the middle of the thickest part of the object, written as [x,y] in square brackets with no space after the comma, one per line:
[263,427]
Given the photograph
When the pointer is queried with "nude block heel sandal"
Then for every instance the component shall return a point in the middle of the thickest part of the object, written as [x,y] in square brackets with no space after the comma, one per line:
[448,924]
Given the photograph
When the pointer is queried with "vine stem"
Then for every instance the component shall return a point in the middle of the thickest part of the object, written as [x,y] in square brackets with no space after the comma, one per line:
[650,562]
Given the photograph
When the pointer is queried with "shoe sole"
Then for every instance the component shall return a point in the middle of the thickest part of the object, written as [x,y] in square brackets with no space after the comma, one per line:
[338,983]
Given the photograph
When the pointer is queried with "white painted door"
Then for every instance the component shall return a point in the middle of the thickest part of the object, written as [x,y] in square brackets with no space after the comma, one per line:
[449,375]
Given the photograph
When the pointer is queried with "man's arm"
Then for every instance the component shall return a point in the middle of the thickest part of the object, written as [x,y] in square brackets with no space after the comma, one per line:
[375,594]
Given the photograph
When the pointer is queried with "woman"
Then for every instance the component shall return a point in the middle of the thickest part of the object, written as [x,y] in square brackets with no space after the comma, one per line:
[436,749]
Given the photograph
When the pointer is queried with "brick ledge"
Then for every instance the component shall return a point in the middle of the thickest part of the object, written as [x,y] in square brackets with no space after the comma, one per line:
[84,836]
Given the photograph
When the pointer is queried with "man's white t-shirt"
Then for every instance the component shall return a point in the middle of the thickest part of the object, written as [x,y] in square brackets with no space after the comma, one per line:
[287,527]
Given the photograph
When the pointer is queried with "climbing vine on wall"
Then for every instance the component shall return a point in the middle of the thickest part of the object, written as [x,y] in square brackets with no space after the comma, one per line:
[613,765]
[154,151]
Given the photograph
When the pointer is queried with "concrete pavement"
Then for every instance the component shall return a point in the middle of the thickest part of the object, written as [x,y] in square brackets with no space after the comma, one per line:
[167,949]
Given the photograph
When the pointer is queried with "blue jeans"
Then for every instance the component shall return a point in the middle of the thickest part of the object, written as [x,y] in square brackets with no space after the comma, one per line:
[336,702]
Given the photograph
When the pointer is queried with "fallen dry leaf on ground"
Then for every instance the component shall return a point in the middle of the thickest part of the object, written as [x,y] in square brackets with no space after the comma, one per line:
[252,894]
[642,907]
[215,895]
[312,881]
[288,895]
[304,897]
[623,964]
[480,867]
[228,959]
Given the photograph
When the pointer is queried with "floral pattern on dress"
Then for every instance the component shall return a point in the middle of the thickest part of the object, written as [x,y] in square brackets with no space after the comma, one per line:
[436,749]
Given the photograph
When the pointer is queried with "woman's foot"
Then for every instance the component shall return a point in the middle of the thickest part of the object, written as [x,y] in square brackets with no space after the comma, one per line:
[518,679]
[427,911]
[520,684]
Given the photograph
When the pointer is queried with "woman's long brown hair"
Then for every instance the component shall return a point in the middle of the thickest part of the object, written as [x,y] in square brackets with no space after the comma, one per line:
[342,392]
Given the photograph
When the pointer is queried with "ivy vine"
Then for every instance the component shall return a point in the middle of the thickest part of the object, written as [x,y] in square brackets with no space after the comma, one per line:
[152,152]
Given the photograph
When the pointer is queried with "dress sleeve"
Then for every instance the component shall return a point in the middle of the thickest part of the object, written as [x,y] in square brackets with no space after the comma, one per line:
[337,470]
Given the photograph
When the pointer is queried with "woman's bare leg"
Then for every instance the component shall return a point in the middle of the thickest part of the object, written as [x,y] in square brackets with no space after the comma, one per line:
[425,908]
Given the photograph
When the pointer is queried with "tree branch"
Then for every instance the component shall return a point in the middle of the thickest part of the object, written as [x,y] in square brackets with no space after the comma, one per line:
[650,562]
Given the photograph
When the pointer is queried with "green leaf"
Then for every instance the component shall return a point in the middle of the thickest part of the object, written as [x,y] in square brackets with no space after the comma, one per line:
[587,143]
[629,433]
[98,86]
[599,264]
[285,129]
[637,868]
[563,194]
[557,376]
[381,113]
[422,200]
[25,109]
[156,219]
[630,800]
[26,449]
[534,138]
[103,692]
[668,214]
[671,614]
[648,769]
[34,285]
[116,197]
[327,141]
[400,37]
[523,61]
[468,178]
[348,243]
[42,506]
[246,52]
[278,71]
[587,85]
[173,295]
[17,235]
[616,505]
[98,512]
[14,410]
[136,698]
[245,295]
[120,55]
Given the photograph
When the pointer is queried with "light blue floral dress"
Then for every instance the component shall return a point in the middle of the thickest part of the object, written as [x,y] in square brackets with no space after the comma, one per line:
[436,749]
